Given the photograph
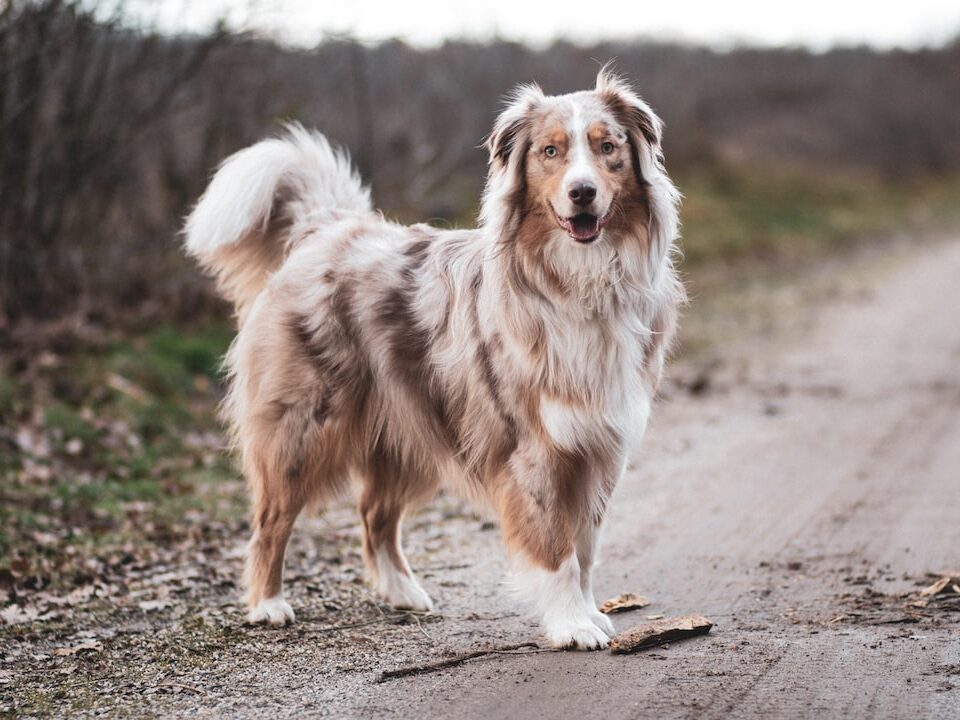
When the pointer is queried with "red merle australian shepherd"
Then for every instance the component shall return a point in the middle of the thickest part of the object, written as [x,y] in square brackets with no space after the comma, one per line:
[515,362]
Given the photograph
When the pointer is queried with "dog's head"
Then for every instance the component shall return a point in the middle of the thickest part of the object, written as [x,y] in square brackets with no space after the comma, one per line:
[587,164]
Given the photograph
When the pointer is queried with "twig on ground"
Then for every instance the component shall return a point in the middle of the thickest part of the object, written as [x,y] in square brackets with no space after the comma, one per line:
[183,686]
[386,675]
[422,631]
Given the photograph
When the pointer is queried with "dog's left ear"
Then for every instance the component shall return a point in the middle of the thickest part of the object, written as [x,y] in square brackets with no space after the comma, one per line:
[645,133]
[510,131]
[643,126]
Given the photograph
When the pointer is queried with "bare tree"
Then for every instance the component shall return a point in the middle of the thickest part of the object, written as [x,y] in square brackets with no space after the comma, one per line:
[79,96]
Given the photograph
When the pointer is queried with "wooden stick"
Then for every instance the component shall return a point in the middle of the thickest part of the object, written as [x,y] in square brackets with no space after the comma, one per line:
[449,662]
[659,632]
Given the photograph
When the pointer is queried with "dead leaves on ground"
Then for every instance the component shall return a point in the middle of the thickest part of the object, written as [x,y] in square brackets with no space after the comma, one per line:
[943,593]
[658,631]
[90,646]
[622,603]
[928,604]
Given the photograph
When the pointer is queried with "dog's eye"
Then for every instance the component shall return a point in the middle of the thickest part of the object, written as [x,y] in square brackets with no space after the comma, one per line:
[606,148]
[550,151]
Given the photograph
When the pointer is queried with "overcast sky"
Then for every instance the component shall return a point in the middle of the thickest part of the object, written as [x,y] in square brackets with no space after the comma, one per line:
[815,23]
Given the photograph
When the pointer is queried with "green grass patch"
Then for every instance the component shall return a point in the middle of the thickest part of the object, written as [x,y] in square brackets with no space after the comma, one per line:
[731,216]
[112,451]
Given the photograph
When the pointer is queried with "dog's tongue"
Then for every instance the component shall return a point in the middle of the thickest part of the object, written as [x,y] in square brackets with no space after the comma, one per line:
[584,226]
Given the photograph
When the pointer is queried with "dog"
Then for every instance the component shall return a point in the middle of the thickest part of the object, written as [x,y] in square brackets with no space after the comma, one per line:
[515,362]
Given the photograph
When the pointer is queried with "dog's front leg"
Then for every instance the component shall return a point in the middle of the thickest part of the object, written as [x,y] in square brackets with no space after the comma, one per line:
[588,540]
[542,510]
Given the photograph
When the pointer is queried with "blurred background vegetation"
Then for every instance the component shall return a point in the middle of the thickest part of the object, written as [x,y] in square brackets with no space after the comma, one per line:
[110,338]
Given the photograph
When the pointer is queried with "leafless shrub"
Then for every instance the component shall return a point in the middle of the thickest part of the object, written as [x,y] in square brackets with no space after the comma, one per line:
[82,104]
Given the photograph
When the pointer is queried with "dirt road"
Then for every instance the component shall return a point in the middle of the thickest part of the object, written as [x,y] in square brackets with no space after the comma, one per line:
[797,501]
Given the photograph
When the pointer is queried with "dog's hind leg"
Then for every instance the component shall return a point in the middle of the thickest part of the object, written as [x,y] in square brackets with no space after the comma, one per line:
[282,466]
[383,499]
[273,520]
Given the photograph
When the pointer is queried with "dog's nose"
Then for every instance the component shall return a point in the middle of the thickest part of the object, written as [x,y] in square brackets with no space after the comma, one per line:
[582,193]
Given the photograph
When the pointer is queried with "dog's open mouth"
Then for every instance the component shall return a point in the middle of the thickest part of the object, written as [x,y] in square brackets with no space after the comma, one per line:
[583,227]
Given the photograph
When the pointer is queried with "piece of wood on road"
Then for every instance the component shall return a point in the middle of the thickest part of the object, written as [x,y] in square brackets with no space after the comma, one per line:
[627,601]
[659,632]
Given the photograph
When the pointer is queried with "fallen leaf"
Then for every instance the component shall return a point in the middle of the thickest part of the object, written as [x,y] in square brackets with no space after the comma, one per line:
[88,646]
[151,605]
[14,614]
[627,601]
[947,581]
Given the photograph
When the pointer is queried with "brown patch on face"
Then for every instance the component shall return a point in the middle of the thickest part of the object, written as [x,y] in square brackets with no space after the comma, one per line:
[641,129]
[629,209]
[630,212]
[535,220]
[545,174]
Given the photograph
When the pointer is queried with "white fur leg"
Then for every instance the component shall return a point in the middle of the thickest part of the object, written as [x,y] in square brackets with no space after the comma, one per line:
[398,588]
[588,541]
[275,611]
[566,618]
[598,618]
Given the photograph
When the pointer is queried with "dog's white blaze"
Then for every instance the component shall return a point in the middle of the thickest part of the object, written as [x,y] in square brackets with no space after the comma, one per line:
[581,169]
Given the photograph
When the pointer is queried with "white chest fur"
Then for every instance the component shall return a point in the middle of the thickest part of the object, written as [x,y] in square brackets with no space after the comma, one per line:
[607,401]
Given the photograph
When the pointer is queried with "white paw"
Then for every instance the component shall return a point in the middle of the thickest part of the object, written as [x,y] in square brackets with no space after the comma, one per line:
[579,634]
[404,592]
[275,611]
[603,622]
[398,587]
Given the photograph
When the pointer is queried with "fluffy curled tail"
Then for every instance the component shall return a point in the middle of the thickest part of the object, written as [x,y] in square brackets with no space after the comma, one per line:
[259,204]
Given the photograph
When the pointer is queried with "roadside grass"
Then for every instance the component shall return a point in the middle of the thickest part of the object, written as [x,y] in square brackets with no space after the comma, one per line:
[742,219]
[109,446]
[749,234]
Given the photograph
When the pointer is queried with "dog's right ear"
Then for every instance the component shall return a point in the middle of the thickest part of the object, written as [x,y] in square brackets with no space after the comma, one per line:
[510,130]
